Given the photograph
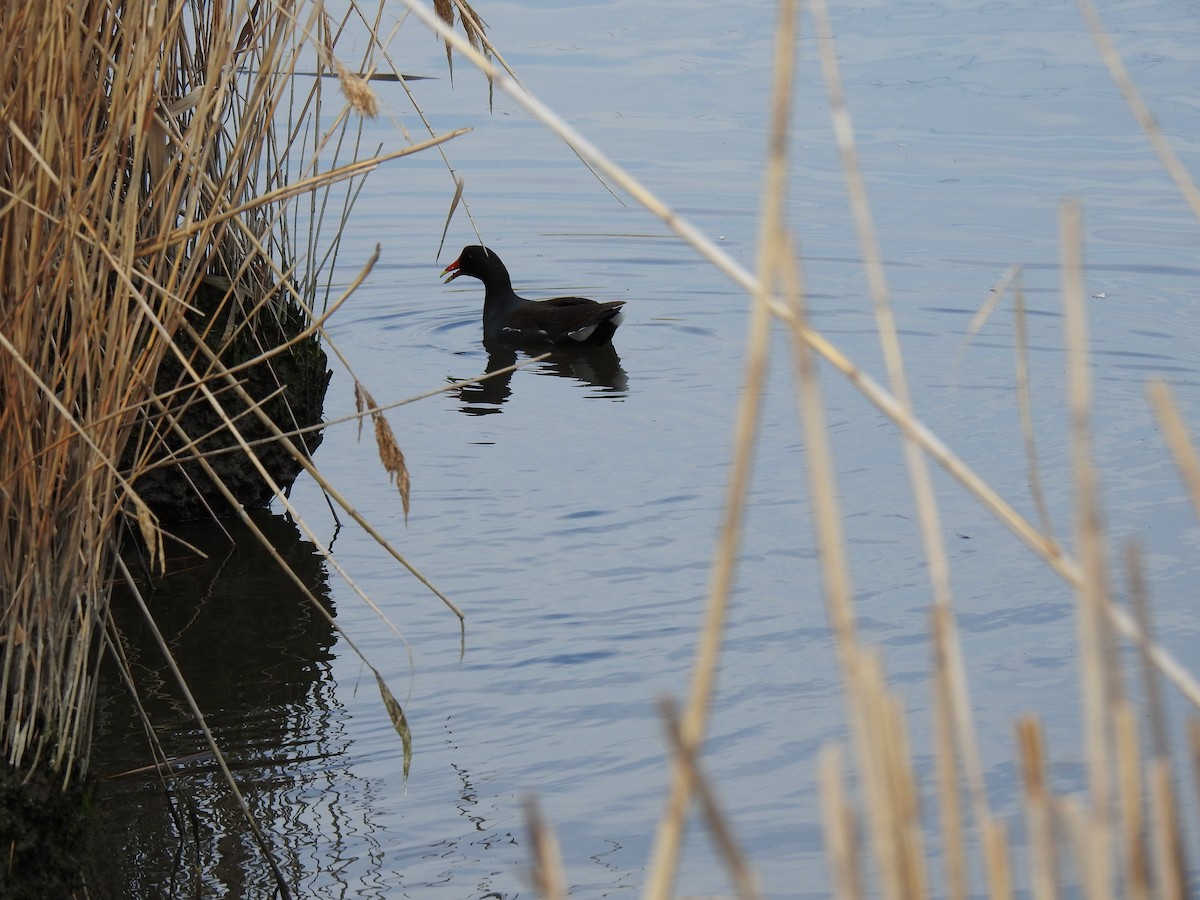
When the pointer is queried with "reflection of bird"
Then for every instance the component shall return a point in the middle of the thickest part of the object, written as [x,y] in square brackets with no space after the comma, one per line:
[507,318]
[598,367]
[486,396]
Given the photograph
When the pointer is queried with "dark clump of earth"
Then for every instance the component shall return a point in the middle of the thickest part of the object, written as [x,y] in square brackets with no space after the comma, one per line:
[289,388]
[42,835]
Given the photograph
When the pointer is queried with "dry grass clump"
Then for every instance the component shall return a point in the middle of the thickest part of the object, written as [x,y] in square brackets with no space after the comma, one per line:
[148,162]
[159,285]
[91,185]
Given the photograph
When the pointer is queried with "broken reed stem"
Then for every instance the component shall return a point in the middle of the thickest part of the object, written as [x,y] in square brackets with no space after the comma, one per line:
[1130,793]
[735,861]
[1025,405]
[1039,822]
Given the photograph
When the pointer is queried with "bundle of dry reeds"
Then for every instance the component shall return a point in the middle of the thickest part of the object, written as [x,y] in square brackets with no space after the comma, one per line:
[140,168]
[156,312]
[96,276]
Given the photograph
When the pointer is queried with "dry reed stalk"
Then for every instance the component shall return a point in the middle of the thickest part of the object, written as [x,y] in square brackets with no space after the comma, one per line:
[1092,593]
[744,880]
[953,826]
[888,783]
[1025,406]
[1038,813]
[841,832]
[1175,433]
[1170,161]
[995,295]
[1170,865]
[1130,794]
[1076,838]
[669,840]
[997,862]
[549,880]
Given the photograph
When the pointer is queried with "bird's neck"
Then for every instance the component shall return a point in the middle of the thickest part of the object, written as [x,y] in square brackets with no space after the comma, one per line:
[498,285]
[498,296]
[498,302]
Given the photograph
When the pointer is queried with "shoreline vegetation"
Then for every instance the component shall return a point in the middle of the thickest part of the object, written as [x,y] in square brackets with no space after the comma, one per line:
[168,230]
[169,234]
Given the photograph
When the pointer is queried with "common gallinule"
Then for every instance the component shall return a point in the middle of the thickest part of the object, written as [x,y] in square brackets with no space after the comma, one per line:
[507,318]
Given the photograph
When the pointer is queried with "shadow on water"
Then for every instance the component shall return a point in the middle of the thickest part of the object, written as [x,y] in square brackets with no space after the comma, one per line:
[598,367]
[256,656]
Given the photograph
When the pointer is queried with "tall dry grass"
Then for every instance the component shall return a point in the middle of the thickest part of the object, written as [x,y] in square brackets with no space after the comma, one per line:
[150,151]
[174,180]
[89,184]
[1125,835]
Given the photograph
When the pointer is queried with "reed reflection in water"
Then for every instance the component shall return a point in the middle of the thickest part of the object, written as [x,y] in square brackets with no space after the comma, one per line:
[257,656]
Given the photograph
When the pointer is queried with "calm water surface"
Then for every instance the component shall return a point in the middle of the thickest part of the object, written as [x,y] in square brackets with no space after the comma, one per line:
[571,510]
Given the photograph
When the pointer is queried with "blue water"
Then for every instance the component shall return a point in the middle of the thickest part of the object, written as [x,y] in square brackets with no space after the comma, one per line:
[572,515]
